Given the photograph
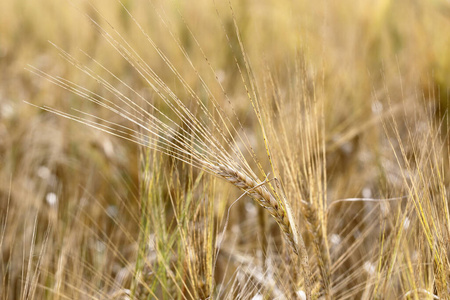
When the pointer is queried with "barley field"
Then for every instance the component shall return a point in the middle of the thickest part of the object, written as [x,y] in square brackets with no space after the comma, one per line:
[234,149]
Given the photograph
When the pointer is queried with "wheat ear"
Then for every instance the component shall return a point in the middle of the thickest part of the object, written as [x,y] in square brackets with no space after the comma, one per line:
[323,258]
[200,148]
[263,197]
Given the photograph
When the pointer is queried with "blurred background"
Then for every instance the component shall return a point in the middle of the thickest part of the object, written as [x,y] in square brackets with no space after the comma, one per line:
[66,189]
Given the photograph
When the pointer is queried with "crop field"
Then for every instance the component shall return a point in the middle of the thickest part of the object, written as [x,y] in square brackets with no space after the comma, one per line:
[234,149]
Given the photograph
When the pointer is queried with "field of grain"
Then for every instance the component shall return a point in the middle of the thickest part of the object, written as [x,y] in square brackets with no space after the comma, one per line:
[211,149]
